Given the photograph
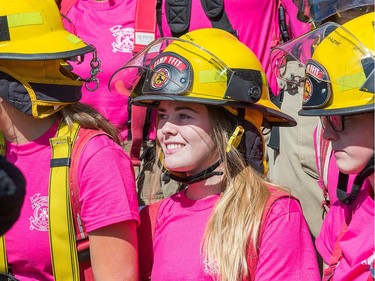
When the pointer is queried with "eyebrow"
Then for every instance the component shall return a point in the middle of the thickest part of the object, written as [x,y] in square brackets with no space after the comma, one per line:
[179,108]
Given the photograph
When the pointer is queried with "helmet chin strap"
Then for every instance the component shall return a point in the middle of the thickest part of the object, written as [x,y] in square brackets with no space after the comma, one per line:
[342,185]
[205,174]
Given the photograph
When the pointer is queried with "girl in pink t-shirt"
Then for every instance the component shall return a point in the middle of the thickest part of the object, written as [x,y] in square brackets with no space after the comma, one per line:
[228,224]
[339,88]
[39,107]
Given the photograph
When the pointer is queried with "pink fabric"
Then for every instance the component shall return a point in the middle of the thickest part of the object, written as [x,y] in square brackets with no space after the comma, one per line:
[256,23]
[357,244]
[286,253]
[109,26]
[107,196]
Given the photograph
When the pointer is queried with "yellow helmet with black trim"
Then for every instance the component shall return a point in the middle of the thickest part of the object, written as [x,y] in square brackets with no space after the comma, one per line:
[339,66]
[34,47]
[208,66]
[340,75]
[33,30]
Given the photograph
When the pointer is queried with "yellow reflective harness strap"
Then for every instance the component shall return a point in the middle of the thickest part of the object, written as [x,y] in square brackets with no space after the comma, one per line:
[3,256]
[64,255]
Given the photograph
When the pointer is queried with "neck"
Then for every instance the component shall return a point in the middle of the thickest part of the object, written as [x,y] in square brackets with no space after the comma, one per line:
[205,188]
[20,128]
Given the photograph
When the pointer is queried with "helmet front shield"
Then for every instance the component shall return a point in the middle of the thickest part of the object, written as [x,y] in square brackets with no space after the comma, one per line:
[162,70]
[330,46]
[319,10]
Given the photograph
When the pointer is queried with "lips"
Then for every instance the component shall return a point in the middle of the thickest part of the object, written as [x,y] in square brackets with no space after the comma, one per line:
[172,147]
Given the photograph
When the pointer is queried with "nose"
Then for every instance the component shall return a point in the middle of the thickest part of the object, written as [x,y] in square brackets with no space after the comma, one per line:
[167,128]
[329,133]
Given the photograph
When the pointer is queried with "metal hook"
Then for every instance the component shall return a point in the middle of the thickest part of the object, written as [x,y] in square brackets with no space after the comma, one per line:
[88,81]
[95,64]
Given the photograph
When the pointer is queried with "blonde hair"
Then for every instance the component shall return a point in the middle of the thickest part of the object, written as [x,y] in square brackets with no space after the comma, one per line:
[88,118]
[236,218]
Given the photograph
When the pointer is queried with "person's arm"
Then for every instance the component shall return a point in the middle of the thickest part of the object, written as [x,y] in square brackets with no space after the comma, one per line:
[113,251]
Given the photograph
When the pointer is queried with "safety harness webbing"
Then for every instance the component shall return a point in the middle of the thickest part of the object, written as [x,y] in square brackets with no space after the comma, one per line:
[3,256]
[178,13]
[64,255]
[145,24]
[65,6]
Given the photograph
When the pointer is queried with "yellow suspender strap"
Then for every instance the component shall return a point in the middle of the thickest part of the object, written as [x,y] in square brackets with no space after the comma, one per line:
[64,255]
[3,257]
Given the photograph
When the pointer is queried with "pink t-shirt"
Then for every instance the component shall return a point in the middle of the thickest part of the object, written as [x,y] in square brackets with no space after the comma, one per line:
[357,244]
[257,25]
[107,196]
[109,26]
[286,251]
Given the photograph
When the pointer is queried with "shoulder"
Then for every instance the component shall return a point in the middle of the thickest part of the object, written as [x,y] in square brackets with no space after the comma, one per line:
[159,206]
[278,195]
[280,203]
[93,142]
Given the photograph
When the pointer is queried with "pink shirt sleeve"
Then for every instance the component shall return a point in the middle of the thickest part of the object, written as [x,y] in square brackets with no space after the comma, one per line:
[107,185]
[286,250]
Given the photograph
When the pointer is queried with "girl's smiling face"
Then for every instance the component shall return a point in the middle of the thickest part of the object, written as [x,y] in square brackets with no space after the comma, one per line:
[185,134]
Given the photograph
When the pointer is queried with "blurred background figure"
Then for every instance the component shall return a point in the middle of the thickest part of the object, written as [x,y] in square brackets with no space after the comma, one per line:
[12,193]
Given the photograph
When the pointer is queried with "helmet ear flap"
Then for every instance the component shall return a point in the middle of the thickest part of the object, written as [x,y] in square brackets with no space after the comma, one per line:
[252,147]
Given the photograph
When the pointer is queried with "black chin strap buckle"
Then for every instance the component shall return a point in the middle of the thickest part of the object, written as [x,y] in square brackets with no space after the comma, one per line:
[208,173]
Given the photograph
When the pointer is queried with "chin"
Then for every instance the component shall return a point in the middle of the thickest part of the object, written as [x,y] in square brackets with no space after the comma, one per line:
[175,167]
[349,169]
